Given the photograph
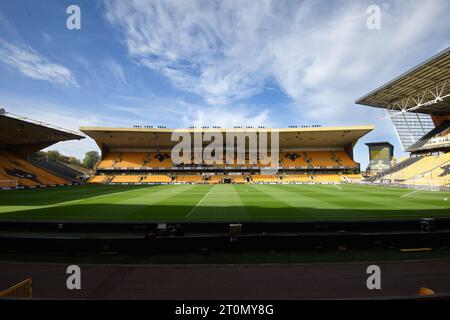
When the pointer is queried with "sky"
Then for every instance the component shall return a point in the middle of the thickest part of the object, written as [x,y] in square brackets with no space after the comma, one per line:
[211,63]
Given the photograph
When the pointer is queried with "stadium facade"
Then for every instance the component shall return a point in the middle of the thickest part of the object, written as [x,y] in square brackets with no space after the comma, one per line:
[305,155]
[418,103]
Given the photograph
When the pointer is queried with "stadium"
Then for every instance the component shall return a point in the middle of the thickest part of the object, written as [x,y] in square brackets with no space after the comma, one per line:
[312,194]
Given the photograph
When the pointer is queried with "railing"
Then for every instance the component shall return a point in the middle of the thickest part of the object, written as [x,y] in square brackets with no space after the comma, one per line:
[22,289]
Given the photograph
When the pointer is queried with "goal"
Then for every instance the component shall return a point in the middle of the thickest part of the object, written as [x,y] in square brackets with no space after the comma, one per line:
[8,184]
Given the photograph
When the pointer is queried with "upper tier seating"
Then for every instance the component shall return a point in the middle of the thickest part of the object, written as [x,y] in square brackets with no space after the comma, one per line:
[109,160]
[286,159]
[131,160]
[159,160]
[316,159]
[135,160]
[292,159]
[322,159]
[344,159]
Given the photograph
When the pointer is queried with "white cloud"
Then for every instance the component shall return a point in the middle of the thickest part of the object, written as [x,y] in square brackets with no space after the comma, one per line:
[196,44]
[176,113]
[315,51]
[319,53]
[226,117]
[35,66]
[48,38]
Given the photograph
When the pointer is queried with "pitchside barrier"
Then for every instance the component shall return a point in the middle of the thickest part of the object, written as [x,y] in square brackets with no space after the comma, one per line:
[222,236]
[22,289]
[8,184]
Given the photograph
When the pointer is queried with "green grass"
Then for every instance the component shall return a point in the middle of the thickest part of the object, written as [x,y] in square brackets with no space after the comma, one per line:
[222,202]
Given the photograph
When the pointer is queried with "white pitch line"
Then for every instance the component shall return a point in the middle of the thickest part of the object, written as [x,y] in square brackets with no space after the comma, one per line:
[79,200]
[408,194]
[101,196]
[198,203]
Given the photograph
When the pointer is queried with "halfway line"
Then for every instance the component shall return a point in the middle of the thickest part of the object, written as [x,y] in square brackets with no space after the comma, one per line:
[198,203]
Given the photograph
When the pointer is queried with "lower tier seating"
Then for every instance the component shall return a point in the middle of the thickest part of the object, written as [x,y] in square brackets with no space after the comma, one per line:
[25,173]
[157,179]
[214,179]
[296,178]
[189,178]
[327,178]
[127,179]
[428,170]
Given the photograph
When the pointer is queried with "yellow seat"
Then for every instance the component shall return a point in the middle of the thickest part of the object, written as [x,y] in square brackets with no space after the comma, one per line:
[189,178]
[157,179]
[127,179]
[327,178]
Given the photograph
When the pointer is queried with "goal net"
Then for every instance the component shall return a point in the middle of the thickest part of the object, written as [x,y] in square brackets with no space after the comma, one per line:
[429,183]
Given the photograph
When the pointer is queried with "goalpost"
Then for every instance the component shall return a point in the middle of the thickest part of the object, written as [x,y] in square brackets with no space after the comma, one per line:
[427,183]
[8,184]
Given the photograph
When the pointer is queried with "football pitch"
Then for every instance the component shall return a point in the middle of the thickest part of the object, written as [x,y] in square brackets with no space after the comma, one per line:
[221,203]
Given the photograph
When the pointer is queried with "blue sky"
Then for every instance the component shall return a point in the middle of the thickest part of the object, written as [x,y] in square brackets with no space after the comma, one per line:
[183,63]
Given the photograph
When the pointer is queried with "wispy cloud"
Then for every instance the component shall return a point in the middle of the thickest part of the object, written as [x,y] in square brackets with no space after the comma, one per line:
[177,113]
[48,38]
[115,69]
[319,53]
[196,44]
[33,65]
[226,117]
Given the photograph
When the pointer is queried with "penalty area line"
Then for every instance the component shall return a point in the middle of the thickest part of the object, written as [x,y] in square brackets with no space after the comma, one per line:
[198,203]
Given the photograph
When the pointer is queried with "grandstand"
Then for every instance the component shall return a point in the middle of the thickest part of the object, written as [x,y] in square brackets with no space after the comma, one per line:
[421,93]
[19,138]
[306,155]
